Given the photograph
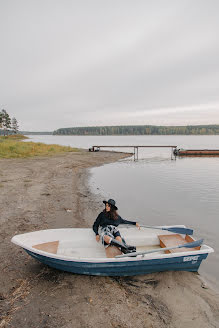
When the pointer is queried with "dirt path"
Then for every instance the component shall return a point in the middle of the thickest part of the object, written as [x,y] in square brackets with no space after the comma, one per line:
[43,193]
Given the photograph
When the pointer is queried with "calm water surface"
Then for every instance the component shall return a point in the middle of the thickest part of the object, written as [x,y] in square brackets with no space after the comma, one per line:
[157,190]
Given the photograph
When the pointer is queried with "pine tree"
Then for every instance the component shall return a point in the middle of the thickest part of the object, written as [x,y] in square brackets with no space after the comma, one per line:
[6,121]
[14,125]
[1,121]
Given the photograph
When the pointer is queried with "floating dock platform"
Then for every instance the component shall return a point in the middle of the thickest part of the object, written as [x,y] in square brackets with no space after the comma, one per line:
[196,152]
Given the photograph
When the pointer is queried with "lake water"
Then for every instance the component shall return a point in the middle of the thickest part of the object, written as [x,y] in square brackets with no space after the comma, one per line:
[156,190]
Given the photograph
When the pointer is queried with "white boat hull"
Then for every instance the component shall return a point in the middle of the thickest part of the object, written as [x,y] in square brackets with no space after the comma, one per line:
[78,252]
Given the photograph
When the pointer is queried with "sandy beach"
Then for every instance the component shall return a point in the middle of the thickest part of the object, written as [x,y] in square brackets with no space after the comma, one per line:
[53,192]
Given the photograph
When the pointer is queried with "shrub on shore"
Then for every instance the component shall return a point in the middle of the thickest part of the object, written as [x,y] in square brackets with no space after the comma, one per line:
[10,148]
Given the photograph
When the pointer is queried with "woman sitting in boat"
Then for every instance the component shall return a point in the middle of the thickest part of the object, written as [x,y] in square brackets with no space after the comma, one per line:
[105,228]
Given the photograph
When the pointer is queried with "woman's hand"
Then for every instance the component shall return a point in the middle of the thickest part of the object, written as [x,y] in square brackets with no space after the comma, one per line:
[97,238]
[138,226]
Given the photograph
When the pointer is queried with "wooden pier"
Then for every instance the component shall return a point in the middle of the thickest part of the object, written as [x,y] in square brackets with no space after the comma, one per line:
[135,147]
[174,150]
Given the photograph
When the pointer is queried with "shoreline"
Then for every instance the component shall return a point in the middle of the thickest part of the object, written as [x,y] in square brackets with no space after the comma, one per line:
[53,192]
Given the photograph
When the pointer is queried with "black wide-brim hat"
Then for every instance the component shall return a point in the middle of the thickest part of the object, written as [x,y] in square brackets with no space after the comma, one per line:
[111,202]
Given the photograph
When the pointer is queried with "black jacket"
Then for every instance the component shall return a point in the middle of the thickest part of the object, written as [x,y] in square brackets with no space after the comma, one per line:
[103,220]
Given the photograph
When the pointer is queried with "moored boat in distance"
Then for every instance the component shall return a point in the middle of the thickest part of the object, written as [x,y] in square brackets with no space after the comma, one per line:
[76,250]
[195,152]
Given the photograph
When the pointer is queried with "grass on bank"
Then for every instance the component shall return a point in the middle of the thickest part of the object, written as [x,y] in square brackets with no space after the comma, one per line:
[12,147]
[13,137]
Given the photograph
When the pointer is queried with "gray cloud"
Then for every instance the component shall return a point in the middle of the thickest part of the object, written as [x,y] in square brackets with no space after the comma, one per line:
[74,63]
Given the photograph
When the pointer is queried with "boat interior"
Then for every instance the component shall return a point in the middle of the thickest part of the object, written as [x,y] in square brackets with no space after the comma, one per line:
[81,243]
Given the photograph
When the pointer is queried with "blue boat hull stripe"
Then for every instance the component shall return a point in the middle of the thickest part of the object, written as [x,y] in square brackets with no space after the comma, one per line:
[124,268]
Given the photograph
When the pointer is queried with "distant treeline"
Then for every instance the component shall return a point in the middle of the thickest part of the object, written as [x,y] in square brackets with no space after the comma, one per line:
[36,133]
[140,130]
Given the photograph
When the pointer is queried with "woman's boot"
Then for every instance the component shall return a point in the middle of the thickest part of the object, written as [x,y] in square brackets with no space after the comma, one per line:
[124,248]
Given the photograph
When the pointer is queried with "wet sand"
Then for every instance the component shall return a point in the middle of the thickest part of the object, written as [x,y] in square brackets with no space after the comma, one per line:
[53,192]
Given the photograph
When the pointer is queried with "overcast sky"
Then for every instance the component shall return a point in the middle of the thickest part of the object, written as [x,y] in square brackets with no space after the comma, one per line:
[71,63]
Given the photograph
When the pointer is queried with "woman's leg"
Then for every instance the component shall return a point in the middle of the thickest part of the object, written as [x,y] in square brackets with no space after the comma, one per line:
[112,251]
[116,249]
[108,239]
[119,239]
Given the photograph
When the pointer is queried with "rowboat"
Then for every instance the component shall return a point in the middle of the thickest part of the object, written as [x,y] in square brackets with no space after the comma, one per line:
[76,250]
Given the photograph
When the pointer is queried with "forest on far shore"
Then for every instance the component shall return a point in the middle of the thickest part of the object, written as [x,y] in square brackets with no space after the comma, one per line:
[140,130]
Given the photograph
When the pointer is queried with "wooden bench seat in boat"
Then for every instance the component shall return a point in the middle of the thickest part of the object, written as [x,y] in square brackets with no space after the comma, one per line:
[176,240]
[50,247]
